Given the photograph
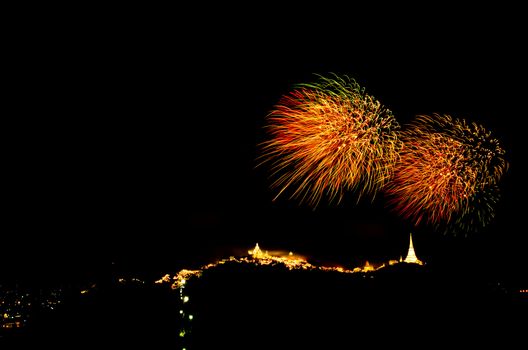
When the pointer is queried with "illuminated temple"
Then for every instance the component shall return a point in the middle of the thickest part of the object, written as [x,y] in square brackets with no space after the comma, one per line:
[411,255]
[288,259]
[257,253]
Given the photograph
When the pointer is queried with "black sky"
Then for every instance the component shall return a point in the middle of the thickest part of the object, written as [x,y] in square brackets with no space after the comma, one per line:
[136,141]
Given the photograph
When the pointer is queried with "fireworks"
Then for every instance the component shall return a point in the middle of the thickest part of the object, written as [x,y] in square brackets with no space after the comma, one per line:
[447,173]
[328,138]
[481,210]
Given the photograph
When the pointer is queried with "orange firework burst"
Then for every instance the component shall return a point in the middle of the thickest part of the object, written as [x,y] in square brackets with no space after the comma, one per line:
[330,137]
[447,173]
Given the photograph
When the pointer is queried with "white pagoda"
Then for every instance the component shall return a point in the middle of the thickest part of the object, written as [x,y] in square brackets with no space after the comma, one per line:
[411,255]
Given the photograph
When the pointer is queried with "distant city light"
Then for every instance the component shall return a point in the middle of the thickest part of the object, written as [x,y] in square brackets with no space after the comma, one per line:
[16,307]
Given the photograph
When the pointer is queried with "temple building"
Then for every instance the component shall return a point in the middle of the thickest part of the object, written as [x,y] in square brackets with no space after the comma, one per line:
[257,253]
[411,255]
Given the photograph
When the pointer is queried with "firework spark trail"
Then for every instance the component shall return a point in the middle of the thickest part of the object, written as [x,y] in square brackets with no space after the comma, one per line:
[482,204]
[447,173]
[328,138]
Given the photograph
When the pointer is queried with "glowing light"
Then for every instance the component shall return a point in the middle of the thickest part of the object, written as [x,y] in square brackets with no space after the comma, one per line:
[183,275]
[411,255]
[330,137]
[368,267]
[447,174]
[256,257]
[257,253]
[165,278]
[185,299]
[191,317]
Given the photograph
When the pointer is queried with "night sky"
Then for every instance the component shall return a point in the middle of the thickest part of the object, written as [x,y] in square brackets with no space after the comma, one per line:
[137,144]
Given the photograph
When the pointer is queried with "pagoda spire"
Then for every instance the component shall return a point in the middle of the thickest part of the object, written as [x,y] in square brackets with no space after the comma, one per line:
[256,252]
[411,255]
